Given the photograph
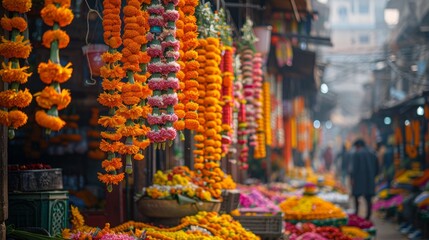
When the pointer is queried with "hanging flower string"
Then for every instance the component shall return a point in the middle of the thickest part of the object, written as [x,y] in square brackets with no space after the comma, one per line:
[132,91]
[200,134]
[179,108]
[52,99]
[267,112]
[190,42]
[227,97]
[142,141]
[112,74]
[163,50]
[260,148]
[11,72]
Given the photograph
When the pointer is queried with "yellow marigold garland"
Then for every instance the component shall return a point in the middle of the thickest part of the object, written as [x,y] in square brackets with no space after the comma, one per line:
[12,73]
[112,74]
[267,112]
[52,98]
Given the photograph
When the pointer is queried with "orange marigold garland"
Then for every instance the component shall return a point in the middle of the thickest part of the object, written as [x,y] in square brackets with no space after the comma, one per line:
[11,72]
[112,74]
[52,98]
[227,97]
[260,148]
[191,65]
[132,91]
[266,88]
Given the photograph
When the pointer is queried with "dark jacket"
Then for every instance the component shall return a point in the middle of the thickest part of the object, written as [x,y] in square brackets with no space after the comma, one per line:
[364,169]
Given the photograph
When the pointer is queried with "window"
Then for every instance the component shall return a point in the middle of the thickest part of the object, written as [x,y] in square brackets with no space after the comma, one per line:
[342,12]
[363,6]
[363,39]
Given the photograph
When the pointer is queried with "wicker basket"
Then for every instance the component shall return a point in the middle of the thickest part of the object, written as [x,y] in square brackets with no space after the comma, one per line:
[266,227]
[156,208]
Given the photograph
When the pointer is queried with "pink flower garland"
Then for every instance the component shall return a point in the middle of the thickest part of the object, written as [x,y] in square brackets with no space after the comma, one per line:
[163,50]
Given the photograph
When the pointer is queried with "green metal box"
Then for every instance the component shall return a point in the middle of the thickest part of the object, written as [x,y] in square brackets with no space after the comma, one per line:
[48,210]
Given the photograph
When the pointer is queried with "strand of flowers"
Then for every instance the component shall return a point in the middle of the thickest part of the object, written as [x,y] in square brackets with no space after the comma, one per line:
[132,91]
[11,72]
[190,43]
[227,97]
[213,118]
[112,74]
[200,135]
[266,86]
[245,115]
[260,151]
[179,125]
[142,141]
[237,98]
[163,68]
[249,93]
[56,13]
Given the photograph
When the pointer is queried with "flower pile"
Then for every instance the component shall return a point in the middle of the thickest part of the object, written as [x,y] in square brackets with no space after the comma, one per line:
[310,208]
[354,232]
[51,99]
[112,74]
[11,71]
[203,226]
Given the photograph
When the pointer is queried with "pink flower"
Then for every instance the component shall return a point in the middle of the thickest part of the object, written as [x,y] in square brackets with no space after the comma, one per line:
[169,118]
[156,9]
[155,136]
[173,44]
[170,99]
[154,119]
[172,54]
[150,37]
[155,67]
[156,101]
[168,133]
[156,21]
[154,50]
[171,67]
[171,15]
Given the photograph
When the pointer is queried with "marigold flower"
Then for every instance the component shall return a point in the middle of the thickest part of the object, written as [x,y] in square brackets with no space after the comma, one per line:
[15,22]
[141,144]
[55,35]
[4,119]
[180,113]
[51,72]
[113,136]
[11,98]
[127,149]
[111,122]
[51,14]
[19,48]
[138,157]
[21,6]
[192,124]
[17,118]
[108,57]
[128,131]
[110,100]
[130,113]
[112,164]
[111,179]
[49,97]
[111,85]
[9,74]
[48,121]
[179,125]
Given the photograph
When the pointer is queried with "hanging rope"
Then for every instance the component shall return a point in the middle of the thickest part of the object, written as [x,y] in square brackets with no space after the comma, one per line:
[92,81]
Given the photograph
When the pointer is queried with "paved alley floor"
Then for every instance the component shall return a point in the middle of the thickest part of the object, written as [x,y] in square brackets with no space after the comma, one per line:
[386,230]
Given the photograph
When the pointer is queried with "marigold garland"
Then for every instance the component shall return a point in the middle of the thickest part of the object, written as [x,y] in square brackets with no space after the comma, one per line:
[266,89]
[52,98]
[227,97]
[112,74]
[260,147]
[12,73]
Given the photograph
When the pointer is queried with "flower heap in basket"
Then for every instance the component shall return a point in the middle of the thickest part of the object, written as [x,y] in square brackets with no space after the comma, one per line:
[310,208]
[203,226]
[184,183]
[304,231]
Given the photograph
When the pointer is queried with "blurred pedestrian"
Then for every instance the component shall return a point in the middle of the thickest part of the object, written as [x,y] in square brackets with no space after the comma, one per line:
[364,169]
[328,158]
[342,163]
